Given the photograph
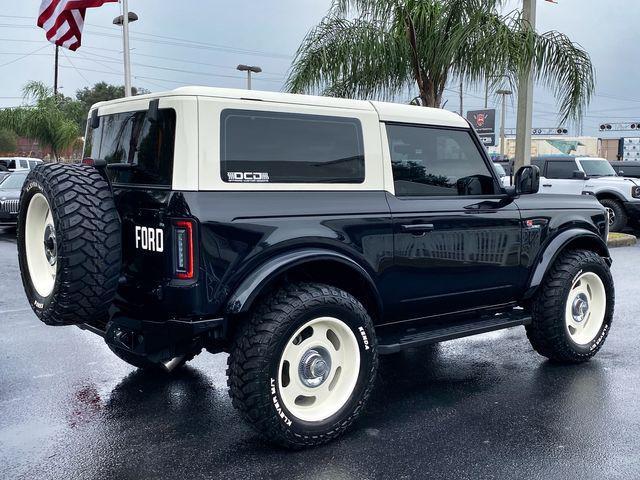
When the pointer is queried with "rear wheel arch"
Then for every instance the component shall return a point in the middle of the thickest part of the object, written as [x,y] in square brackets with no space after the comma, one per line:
[575,239]
[317,265]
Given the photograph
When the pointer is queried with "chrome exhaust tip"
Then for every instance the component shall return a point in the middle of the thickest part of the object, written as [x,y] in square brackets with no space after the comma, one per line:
[169,365]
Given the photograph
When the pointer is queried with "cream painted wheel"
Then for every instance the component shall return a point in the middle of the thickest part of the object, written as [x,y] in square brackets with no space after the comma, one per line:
[41,245]
[585,308]
[319,369]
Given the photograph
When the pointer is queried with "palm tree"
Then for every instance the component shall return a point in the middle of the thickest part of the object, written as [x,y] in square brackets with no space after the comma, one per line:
[382,48]
[45,121]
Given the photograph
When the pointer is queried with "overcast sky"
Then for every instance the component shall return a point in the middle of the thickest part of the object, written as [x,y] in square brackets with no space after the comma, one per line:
[210,37]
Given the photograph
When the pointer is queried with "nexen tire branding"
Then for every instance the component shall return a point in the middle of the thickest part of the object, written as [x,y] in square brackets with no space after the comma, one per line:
[150,239]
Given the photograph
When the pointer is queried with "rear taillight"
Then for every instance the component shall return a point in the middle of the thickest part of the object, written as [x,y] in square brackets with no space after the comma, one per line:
[184,258]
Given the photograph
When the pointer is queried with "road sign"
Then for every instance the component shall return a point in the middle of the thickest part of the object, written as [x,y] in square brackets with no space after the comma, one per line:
[484,122]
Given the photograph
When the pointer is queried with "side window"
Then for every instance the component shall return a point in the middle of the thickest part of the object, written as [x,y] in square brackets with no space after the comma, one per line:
[92,140]
[32,164]
[137,150]
[24,164]
[274,147]
[430,161]
[561,169]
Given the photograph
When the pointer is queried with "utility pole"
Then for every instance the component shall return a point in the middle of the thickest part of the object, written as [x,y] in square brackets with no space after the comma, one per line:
[461,98]
[503,139]
[525,99]
[55,73]
[124,20]
[249,69]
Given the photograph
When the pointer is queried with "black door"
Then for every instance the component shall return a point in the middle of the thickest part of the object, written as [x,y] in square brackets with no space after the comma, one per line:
[456,236]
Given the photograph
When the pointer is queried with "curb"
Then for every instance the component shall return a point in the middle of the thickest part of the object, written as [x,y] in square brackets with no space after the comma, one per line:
[621,240]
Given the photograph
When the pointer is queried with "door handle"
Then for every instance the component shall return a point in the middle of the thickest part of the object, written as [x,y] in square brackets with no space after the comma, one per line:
[418,227]
[546,184]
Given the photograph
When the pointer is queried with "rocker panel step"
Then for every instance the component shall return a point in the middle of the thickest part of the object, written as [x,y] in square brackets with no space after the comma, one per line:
[424,335]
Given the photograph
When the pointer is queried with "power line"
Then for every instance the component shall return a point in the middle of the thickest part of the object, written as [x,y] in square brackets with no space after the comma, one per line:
[24,56]
[171,41]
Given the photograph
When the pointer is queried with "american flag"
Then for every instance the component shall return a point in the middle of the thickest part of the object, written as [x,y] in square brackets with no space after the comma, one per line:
[63,20]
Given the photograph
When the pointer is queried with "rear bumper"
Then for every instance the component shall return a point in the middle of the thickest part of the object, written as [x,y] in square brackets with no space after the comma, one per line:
[158,341]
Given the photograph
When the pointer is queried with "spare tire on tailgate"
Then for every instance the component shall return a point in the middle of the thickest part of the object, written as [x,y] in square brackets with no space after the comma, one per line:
[69,243]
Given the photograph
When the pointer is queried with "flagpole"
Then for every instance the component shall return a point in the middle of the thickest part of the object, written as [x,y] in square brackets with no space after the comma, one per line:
[55,73]
[125,41]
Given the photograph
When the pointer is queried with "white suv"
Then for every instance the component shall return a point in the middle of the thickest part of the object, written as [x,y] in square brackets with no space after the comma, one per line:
[592,176]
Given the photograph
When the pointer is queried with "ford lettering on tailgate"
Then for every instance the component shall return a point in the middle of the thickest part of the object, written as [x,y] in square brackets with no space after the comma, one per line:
[150,239]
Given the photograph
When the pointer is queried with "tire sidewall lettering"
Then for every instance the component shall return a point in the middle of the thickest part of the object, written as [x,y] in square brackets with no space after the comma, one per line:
[32,187]
[604,330]
[288,420]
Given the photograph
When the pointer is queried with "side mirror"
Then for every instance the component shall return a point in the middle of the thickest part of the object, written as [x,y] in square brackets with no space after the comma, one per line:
[527,180]
[579,175]
[621,173]
[152,114]
[95,119]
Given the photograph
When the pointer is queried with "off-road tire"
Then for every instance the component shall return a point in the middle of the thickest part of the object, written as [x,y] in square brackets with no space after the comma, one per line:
[548,332]
[621,218]
[255,355]
[88,241]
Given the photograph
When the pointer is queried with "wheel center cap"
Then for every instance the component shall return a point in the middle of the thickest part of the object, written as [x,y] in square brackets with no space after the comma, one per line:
[580,307]
[314,367]
[50,246]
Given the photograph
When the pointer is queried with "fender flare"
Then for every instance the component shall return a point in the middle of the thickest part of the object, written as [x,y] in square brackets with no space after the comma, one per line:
[245,294]
[612,193]
[556,246]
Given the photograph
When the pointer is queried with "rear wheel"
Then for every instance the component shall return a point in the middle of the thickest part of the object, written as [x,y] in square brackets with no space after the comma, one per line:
[68,244]
[573,309]
[617,216]
[302,369]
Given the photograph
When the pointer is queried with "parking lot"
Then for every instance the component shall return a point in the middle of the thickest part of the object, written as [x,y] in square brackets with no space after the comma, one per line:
[482,407]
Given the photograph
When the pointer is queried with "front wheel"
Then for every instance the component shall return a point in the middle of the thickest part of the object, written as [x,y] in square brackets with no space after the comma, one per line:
[573,309]
[302,369]
[617,216]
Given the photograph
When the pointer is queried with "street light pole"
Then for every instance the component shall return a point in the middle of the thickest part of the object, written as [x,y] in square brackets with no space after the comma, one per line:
[525,99]
[503,139]
[249,69]
[124,20]
[125,41]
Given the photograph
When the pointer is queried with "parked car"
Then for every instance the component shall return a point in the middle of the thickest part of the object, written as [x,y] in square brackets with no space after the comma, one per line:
[16,164]
[10,188]
[305,236]
[593,176]
[505,179]
[627,169]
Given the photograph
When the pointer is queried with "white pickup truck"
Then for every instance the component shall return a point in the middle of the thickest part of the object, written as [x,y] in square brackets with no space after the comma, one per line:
[592,176]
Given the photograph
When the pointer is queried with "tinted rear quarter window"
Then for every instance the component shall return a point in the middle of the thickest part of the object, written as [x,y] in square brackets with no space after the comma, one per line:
[429,161]
[276,147]
[137,150]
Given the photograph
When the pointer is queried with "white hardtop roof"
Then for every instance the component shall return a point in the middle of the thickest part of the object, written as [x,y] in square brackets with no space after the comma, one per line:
[21,158]
[391,112]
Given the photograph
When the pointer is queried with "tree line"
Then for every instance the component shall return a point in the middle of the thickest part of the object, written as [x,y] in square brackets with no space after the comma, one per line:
[54,120]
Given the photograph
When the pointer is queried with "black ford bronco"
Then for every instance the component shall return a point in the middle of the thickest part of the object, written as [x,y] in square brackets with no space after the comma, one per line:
[304,236]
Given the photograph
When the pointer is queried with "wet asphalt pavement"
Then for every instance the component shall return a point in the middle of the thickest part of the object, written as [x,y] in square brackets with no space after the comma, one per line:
[482,407]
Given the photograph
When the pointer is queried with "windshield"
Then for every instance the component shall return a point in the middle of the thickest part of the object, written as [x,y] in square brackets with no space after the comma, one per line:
[597,168]
[13,181]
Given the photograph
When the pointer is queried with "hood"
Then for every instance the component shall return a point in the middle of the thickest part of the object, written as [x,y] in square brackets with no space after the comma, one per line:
[9,194]
[616,180]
